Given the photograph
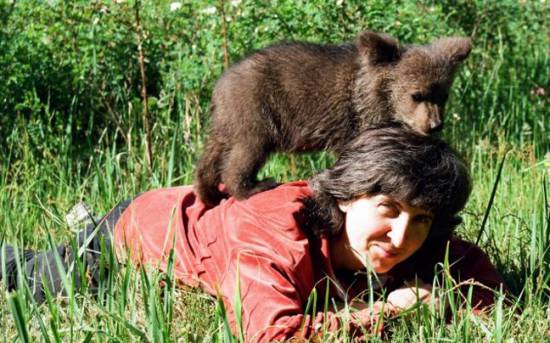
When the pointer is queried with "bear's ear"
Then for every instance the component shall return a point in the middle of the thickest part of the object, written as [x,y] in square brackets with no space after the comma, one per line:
[456,49]
[378,48]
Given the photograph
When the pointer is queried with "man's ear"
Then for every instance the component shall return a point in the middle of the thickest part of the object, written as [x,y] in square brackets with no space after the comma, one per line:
[344,206]
[456,49]
[378,48]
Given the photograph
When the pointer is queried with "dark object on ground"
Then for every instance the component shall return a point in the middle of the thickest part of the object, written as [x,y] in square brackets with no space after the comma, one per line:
[41,269]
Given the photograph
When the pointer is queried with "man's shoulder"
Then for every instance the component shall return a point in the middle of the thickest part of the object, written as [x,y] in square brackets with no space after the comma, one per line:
[267,222]
[277,209]
[462,247]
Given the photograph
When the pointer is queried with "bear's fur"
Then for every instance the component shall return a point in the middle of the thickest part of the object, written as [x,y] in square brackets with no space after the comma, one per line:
[298,97]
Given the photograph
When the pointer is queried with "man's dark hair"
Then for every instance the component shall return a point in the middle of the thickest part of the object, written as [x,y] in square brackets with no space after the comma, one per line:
[422,171]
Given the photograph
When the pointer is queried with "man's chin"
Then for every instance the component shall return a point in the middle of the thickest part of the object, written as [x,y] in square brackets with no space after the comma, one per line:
[380,268]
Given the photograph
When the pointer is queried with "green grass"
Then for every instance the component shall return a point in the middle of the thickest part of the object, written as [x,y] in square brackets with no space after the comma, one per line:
[135,307]
[73,131]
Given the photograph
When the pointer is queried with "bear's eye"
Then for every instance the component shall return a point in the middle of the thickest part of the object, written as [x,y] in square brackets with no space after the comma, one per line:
[417,97]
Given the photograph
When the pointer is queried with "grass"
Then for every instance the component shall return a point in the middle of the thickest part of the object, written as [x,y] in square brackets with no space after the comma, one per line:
[496,112]
[135,307]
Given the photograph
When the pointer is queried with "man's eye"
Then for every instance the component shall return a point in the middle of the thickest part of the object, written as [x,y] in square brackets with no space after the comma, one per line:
[388,209]
[425,220]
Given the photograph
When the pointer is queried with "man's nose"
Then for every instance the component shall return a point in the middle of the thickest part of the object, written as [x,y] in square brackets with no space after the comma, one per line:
[399,230]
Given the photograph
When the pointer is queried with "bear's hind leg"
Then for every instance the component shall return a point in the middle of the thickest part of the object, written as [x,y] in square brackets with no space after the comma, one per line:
[207,175]
[241,165]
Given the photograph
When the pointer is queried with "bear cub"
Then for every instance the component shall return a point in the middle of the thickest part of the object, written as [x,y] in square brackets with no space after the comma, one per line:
[298,97]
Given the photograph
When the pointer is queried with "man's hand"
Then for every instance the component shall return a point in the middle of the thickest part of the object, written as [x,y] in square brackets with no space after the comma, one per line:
[373,317]
[410,294]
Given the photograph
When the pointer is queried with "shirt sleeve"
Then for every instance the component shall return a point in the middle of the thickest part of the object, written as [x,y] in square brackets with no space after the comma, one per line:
[272,302]
[471,267]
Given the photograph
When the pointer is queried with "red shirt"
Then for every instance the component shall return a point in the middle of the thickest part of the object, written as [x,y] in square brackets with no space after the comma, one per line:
[260,241]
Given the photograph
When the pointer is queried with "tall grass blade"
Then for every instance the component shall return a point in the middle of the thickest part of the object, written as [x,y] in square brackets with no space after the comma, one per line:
[491,198]
[19,317]
[221,317]
[237,305]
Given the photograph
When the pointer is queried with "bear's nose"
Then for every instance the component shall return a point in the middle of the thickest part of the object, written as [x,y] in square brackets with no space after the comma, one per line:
[436,126]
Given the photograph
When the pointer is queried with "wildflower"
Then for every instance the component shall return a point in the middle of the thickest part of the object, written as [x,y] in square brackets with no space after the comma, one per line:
[175,6]
[209,10]
[538,91]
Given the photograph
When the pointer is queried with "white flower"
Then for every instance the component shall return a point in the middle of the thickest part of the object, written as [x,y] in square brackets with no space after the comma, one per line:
[175,6]
[235,2]
[209,10]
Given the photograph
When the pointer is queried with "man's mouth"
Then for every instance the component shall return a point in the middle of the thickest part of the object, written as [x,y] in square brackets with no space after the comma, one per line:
[387,253]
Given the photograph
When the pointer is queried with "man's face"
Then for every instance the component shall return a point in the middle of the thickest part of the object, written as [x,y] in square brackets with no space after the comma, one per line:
[382,232]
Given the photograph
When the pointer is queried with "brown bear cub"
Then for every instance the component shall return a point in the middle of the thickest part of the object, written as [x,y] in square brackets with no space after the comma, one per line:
[297,97]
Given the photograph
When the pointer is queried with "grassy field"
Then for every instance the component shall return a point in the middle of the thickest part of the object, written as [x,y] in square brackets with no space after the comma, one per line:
[72,129]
